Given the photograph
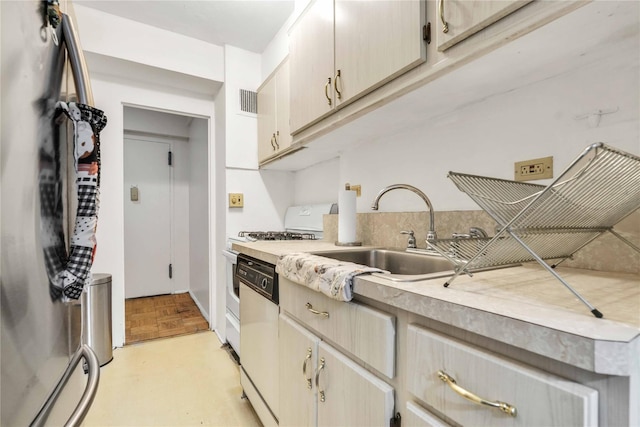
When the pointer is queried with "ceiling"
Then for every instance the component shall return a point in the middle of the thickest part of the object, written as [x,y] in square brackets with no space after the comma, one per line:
[246,24]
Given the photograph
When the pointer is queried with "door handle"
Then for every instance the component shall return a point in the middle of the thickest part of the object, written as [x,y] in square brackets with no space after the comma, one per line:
[326,91]
[445,24]
[335,85]
[304,368]
[320,391]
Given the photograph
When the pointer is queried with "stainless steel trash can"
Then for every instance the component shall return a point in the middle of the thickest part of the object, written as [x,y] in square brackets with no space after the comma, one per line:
[96,317]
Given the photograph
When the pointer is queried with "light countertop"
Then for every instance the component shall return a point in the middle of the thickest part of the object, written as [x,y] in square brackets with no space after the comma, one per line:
[523,306]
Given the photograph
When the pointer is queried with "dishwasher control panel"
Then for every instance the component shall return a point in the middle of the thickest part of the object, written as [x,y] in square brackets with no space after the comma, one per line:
[258,275]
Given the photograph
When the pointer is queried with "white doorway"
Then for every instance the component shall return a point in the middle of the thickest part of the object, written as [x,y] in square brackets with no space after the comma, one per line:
[167,240]
[148,219]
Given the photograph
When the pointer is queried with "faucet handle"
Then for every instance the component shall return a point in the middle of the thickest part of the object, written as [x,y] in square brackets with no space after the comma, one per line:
[477,232]
[411,242]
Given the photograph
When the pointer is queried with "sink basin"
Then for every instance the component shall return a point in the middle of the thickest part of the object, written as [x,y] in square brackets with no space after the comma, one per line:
[403,266]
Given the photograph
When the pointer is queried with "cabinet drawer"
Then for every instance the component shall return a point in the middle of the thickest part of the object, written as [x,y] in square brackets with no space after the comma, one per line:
[540,399]
[364,332]
[419,417]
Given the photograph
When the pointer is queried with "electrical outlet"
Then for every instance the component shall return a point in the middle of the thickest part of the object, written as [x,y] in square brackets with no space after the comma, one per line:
[529,170]
[236,200]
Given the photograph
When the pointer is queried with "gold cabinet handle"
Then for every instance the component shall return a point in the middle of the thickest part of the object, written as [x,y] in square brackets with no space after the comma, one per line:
[320,368]
[335,85]
[304,368]
[326,91]
[445,25]
[451,382]
[275,139]
[320,313]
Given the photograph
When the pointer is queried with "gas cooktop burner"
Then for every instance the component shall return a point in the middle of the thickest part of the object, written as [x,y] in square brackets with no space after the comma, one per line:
[276,235]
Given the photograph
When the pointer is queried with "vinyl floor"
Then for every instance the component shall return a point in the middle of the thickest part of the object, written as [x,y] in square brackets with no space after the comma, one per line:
[161,316]
[189,380]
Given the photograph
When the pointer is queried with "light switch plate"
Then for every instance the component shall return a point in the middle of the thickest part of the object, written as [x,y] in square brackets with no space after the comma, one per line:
[529,170]
[236,200]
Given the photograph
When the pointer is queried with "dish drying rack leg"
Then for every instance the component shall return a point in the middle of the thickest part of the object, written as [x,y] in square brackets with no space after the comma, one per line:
[594,310]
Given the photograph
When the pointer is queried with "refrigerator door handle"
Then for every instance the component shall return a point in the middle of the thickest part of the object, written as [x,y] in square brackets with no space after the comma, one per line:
[78,65]
[84,352]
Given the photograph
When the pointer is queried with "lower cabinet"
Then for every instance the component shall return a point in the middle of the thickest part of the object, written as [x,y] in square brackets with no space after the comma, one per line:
[474,387]
[319,386]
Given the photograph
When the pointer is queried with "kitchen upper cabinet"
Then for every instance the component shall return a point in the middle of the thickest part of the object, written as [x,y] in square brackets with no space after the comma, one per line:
[323,387]
[459,19]
[311,62]
[341,50]
[474,387]
[274,134]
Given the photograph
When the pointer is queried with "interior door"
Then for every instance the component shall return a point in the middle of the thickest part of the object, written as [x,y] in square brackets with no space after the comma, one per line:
[147,218]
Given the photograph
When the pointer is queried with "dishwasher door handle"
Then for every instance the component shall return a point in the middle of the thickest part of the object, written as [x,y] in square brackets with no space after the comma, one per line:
[84,352]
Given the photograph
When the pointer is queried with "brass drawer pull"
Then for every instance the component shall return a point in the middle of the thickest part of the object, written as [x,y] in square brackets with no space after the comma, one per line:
[445,25]
[320,313]
[320,368]
[504,407]
[304,368]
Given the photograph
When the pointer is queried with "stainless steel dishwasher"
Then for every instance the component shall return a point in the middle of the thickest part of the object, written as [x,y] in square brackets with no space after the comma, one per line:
[259,336]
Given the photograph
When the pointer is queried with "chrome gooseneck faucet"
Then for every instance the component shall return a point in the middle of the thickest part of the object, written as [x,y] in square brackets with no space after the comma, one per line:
[431,234]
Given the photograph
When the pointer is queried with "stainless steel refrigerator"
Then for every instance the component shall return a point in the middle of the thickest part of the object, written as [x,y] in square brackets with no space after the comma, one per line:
[41,352]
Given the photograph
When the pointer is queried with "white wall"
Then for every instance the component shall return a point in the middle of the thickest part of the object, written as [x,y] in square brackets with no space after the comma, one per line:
[199,234]
[143,120]
[122,38]
[242,71]
[267,194]
[318,183]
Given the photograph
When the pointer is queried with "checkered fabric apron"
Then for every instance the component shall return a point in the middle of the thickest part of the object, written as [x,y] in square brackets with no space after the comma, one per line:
[69,274]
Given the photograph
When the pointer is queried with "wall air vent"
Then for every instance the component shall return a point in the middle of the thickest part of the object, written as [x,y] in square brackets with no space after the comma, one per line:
[248,101]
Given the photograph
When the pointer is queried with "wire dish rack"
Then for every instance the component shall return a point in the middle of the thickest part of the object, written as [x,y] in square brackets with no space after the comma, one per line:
[596,191]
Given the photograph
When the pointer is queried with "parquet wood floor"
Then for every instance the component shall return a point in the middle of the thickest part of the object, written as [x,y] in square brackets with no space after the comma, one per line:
[162,316]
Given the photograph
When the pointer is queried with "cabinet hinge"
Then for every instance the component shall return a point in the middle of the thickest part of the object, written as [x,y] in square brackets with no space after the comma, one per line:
[396,421]
[170,159]
[426,33]
[170,271]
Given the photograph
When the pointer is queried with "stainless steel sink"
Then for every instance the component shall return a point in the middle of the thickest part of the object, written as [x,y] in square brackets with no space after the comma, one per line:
[403,266]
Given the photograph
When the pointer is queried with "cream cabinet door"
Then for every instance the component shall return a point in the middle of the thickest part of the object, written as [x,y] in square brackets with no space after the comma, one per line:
[267,119]
[283,130]
[375,41]
[311,62]
[298,349]
[348,395]
[466,17]
[438,365]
